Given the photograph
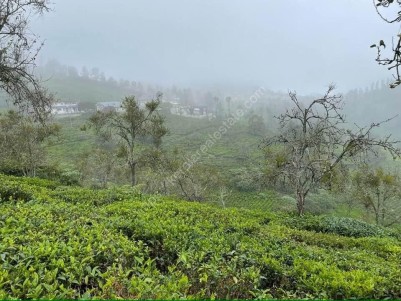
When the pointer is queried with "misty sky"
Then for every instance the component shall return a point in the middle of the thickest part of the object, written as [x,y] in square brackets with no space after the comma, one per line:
[298,44]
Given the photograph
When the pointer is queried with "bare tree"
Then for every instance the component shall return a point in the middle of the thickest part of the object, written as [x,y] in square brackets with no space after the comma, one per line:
[393,61]
[315,141]
[18,50]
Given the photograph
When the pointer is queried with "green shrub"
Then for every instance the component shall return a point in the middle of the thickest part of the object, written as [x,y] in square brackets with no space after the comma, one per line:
[352,227]
[10,191]
[75,243]
[337,225]
[95,197]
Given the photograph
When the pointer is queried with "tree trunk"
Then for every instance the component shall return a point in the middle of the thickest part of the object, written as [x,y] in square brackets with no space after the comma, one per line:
[301,202]
[377,210]
[132,166]
[164,187]
[377,216]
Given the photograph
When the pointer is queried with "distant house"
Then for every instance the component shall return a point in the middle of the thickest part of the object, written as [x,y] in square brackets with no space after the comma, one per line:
[109,106]
[61,108]
[175,108]
[189,111]
[199,110]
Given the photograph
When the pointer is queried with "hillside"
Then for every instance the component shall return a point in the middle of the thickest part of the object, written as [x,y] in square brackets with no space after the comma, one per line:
[70,242]
[237,147]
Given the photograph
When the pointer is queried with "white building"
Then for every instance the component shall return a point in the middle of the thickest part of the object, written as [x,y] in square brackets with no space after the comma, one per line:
[60,108]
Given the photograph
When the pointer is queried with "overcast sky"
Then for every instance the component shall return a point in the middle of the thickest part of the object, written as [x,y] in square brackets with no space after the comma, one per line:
[298,44]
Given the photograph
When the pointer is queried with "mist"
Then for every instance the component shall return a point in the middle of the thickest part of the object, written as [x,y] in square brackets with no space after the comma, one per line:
[298,45]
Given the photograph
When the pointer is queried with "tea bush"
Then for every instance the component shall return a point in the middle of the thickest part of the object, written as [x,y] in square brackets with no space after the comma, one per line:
[338,225]
[69,242]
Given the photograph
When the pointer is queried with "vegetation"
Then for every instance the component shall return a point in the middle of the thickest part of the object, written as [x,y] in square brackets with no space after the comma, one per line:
[67,242]
[22,143]
[129,127]
[379,192]
[393,61]
[112,213]
[18,51]
[315,142]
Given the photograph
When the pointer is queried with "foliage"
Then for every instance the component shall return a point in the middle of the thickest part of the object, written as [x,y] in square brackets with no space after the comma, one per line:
[180,174]
[98,167]
[247,179]
[81,151]
[22,143]
[130,127]
[190,179]
[75,243]
[380,193]
[338,225]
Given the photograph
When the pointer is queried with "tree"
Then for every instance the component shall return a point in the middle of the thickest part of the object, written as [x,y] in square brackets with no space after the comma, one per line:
[256,124]
[22,143]
[134,127]
[228,100]
[95,73]
[176,173]
[393,61]
[18,51]
[315,142]
[247,179]
[98,167]
[379,192]
[196,183]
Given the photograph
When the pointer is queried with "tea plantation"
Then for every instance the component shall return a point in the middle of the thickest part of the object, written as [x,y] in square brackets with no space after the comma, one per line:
[69,242]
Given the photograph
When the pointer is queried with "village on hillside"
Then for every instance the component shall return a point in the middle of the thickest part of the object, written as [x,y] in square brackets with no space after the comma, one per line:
[175,108]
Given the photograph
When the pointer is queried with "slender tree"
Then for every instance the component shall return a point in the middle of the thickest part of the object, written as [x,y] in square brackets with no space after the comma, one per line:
[133,128]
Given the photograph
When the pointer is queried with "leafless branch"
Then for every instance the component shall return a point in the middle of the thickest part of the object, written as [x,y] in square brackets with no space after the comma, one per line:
[19,48]
[315,140]
[393,61]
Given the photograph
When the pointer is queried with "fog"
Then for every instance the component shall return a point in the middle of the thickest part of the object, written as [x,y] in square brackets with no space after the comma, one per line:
[299,45]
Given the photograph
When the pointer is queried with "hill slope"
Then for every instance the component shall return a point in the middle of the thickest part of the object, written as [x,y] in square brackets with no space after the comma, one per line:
[70,242]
